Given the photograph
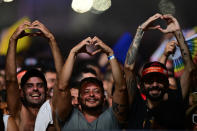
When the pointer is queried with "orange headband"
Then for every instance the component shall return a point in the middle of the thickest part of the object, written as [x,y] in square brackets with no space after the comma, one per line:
[156,70]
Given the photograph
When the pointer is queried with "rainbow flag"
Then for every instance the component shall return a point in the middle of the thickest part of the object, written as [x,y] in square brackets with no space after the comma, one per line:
[177,58]
[22,44]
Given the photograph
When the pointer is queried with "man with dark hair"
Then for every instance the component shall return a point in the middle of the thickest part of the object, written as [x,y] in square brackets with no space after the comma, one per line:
[91,95]
[154,71]
[32,75]
[24,104]
[163,107]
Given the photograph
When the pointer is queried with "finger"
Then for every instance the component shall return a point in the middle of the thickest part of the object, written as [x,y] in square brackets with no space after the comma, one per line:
[27,23]
[162,30]
[36,34]
[88,39]
[96,39]
[155,27]
[154,17]
[96,51]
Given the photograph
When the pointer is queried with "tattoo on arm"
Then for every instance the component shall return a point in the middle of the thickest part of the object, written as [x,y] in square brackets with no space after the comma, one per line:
[183,47]
[132,52]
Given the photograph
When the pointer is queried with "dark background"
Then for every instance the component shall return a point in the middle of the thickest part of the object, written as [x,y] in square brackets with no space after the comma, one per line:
[70,27]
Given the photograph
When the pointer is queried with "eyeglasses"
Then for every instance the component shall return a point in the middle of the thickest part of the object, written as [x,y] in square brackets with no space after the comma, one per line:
[194,118]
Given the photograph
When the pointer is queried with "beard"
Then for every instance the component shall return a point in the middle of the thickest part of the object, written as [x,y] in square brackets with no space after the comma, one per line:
[91,109]
[155,97]
[28,103]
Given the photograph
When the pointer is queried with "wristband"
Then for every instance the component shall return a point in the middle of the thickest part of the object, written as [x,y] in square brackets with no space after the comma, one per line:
[111,57]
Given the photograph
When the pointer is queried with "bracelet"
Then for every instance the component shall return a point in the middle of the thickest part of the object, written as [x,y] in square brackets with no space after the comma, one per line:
[111,57]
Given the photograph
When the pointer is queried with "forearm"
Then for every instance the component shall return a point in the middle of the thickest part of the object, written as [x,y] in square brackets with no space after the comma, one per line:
[133,49]
[10,68]
[120,95]
[66,71]
[62,97]
[130,63]
[188,63]
[185,79]
[163,59]
[13,97]
[58,60]
[116,72]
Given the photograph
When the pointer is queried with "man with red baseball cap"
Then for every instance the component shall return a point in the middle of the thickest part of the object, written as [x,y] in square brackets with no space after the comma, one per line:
[154,80]
[163,108]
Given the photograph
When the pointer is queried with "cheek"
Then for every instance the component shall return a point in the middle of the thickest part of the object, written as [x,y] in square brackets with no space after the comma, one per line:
[42,90]
[161,85]
[146,86]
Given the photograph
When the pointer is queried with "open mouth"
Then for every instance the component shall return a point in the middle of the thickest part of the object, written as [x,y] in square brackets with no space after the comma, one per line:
[91,100]
[35,95]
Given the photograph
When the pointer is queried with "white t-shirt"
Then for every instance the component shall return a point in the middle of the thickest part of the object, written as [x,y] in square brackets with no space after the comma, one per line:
[5,121]
[44,117]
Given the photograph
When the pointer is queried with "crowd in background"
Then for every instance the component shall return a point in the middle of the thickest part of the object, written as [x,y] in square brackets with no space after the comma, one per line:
[79,94]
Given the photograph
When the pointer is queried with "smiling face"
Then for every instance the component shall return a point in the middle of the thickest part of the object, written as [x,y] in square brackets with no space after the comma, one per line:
[91,96]
[155,87]
[34,91]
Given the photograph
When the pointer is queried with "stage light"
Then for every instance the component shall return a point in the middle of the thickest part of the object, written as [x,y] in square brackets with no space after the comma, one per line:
[100,6]
[8,0]
[81,6]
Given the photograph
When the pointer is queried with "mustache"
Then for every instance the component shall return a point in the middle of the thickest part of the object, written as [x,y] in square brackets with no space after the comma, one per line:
[155,88]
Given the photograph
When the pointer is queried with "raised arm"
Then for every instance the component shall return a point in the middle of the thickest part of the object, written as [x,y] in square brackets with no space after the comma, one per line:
[120,96]
[63,103]
[169,49]
[58,60]
[173,27]
[132,53]
[13,93]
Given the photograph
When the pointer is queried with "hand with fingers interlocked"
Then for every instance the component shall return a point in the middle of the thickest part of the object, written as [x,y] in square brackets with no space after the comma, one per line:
[95,43]
[41,30]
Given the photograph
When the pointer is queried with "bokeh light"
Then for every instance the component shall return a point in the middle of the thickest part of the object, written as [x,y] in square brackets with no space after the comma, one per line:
[81,6]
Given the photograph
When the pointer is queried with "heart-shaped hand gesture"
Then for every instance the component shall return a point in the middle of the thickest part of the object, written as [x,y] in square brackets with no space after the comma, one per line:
[40,30]
[172,23]
[101,47]
[95,44]
[81,47]
[20,30]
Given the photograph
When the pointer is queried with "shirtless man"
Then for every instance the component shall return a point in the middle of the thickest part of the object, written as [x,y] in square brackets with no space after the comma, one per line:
[33,83]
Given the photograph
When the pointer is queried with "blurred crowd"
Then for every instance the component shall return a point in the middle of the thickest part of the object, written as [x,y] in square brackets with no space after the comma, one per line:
[100,94]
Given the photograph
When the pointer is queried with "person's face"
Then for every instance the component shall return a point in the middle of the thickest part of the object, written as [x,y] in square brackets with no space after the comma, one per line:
[91,96]
[51,82]
[154,87]
[34,91]
[75,94]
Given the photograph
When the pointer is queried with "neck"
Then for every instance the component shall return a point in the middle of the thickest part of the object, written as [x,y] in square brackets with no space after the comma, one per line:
[91,115]
[33,111]
[152,104]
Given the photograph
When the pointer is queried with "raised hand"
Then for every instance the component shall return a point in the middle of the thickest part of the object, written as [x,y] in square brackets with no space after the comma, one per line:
[20,31]
[43,31]
[102,47]
[148,24]
[81,47]
[170,48]
[172,24]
